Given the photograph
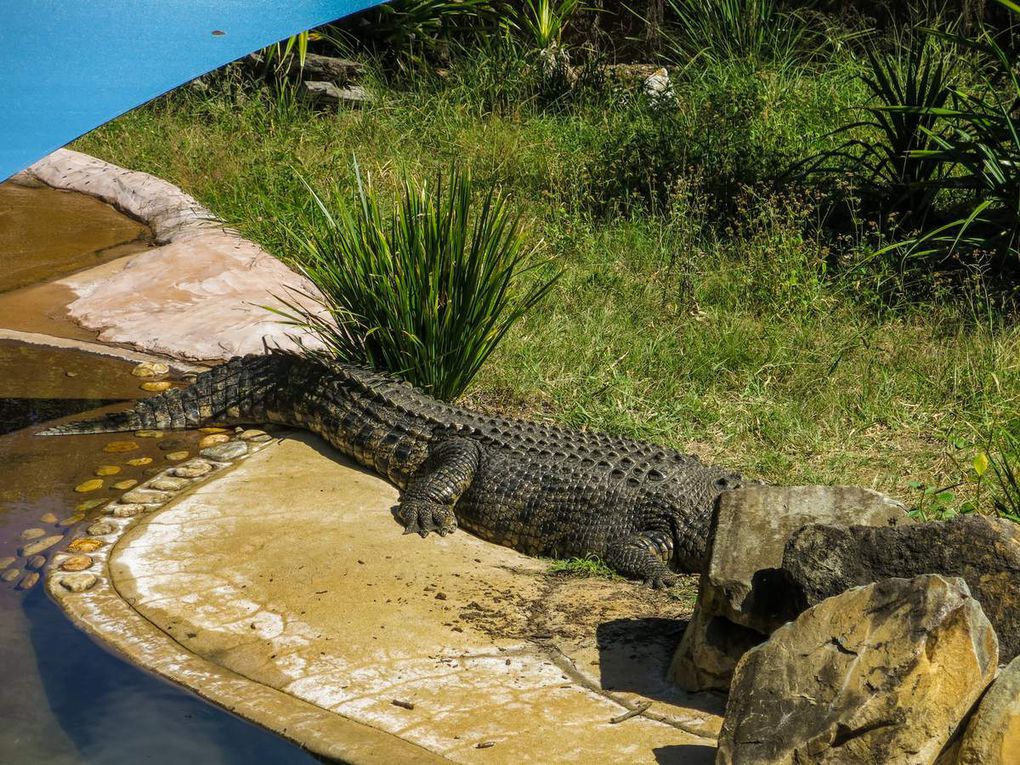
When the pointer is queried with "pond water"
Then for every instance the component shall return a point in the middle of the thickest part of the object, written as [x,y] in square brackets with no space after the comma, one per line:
[65,699]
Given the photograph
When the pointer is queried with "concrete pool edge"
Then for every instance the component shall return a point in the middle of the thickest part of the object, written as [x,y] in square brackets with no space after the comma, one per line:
[199,294]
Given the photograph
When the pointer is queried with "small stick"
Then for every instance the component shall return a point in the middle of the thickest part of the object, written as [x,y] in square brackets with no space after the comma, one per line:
[402,704]
[642,707]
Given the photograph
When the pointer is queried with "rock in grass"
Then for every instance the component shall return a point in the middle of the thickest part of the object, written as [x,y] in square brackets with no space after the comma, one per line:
[737,605]
[879,674]
[993,733]
[821,561]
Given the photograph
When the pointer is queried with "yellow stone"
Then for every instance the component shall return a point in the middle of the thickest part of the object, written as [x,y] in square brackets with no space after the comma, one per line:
[89,504]
[48,518]
[91,485]
[76,563]
[71,520]
[148,434]
[177,456]
[107,470]
[212,440]
[155,387]
[119,447]
[150,369]
[126,484]
[213,429]
[139,461]
[85,545]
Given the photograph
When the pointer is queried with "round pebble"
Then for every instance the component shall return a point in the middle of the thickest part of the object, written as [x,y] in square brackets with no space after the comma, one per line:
[125,485]
[148,434]
[34,548]
[139,461]
[213,439]
[168,484]
[177,456]
[5,562]
[145,497]
[85,545]
[119,447]
[94,484]
[71,520]
[10,574]
[48,518]
[104,470]
[101,528]
[36,562]
[155,387]
[28,581]
[150,369]
[78,582]
[29,534]
[192,469]
[127,511]
[76,563]
[90,504]
[226,452]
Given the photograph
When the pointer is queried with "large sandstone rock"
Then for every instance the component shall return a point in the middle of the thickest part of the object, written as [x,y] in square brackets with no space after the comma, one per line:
[737,607]
[878,674]
[993,734]
[821,561]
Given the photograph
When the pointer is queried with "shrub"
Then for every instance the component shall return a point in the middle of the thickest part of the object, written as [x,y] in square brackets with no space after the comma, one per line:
[426,293]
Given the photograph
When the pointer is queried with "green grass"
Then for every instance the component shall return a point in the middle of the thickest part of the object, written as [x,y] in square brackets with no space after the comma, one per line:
[585,568]
[734,337]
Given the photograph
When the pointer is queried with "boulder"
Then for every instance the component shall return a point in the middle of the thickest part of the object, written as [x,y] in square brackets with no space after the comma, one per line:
[736,606]
[879,674]
[823,560]
[993,733]
[339,71]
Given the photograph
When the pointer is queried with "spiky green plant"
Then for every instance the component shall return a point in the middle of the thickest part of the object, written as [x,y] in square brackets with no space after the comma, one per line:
[426,292]
[545,21]
[755,31]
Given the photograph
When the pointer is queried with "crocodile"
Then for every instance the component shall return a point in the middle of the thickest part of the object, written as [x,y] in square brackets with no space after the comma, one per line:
[544,490]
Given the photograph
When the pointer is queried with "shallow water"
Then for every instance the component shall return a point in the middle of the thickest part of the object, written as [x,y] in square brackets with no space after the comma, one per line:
[63,698]
[46,234]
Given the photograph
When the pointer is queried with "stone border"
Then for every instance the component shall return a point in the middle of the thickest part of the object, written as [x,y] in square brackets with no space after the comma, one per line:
[198,295]
[79,580]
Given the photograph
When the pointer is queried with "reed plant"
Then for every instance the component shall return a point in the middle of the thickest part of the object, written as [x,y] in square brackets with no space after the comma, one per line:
[427,291]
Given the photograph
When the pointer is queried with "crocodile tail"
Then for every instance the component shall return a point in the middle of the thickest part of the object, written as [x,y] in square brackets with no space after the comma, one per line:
[235,391]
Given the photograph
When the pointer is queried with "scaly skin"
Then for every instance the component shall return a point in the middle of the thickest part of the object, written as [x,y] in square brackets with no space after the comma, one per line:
[538,488]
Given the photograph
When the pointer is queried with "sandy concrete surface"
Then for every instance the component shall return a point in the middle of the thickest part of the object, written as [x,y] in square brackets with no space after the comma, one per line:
[199,294]
[290,574]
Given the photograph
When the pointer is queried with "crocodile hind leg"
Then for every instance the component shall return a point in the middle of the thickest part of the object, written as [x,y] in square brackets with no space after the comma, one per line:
[642,556]
[427,502]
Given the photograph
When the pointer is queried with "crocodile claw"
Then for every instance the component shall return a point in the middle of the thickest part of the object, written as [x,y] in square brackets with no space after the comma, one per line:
[662,581]
[422,517]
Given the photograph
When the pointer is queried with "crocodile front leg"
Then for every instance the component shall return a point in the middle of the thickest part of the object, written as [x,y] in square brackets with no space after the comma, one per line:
[641,556]
[427,502]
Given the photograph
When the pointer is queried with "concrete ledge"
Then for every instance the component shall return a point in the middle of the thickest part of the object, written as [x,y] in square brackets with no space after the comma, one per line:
[198,295]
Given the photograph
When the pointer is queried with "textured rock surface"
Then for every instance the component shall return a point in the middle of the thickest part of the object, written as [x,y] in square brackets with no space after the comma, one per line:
[821,561]
[736,608]
[201,275]
[879,674]
[993,734]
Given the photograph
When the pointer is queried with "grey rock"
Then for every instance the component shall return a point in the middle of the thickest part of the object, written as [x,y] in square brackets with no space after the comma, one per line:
[126,511]
[339,71]
[738,601]
[823,560]
[101,528]
[226,452]
[78,582]
[878,674]
[329,95]
[191,469]
[145,497]
[168,483]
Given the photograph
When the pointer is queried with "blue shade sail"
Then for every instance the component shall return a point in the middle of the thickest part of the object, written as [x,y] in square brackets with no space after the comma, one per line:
[68,66]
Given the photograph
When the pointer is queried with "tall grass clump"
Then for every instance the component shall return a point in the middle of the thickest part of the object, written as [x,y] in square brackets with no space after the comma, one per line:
[427,291]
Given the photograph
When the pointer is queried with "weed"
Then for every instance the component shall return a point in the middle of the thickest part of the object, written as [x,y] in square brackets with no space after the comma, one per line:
[587,567]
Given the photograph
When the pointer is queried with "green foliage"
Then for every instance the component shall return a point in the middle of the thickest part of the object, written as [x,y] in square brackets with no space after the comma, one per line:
[545,21]
[707,32]
[428,293]
[585,568]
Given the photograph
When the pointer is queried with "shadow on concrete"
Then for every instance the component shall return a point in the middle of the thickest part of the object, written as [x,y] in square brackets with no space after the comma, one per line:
[117,714]
[634,656]
[684,754]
